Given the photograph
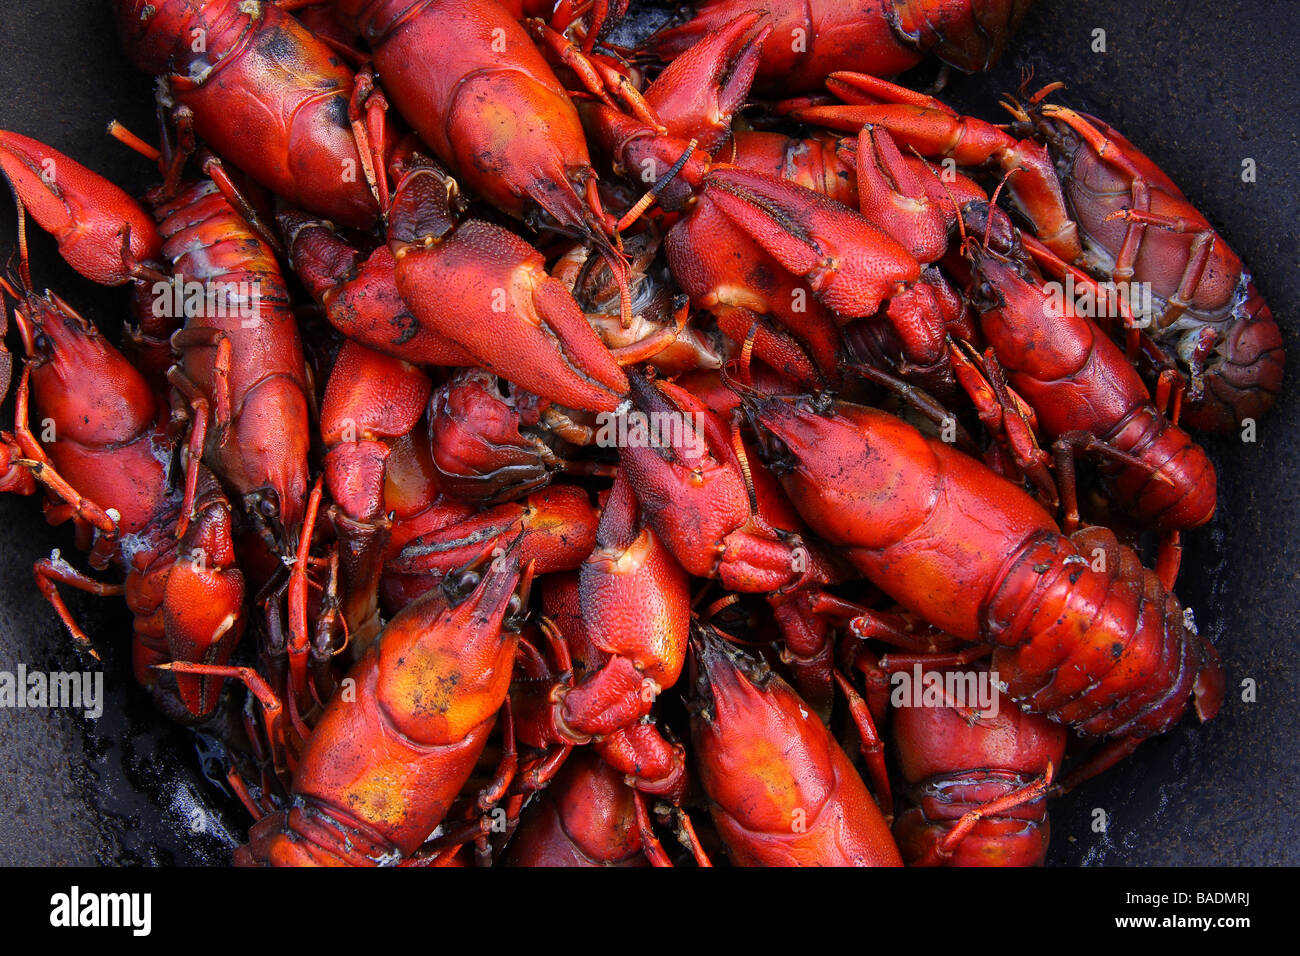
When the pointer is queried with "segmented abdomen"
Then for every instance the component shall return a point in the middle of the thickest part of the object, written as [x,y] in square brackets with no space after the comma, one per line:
[1244,374]
[246,302]
[1177,489]
[1083,633]
[1014,837]
[1227,326]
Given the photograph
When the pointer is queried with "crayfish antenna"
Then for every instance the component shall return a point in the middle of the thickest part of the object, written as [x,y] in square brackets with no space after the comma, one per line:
[646,201]
[24,263]
[993,201]
[747,354]
[1026,77]
[618,265]
[742,387]
[1045,92]
[943,184]
[742,459]
[129,139]
[919,399]
[751,398]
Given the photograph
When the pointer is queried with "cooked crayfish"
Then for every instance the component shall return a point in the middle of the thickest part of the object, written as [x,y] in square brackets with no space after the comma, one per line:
[1080,630]
[1099,204]
[813,38]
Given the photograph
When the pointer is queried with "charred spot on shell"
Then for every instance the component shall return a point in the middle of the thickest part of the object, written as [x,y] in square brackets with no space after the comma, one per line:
[276,45]
[336,111]
[406,327]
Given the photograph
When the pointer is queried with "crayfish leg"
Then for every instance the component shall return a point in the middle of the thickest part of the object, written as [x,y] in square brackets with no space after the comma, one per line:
[650,844]
[1100,761]
[200,414]
[284,748]
[367,111]
[52,570]
[871,746]
[687,836]
[236,781]
[1169,558]
[303,693]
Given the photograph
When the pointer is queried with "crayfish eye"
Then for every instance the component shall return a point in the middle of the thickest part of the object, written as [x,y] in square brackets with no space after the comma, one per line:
[468,581]
[268,508]
[42,343]
[515,606]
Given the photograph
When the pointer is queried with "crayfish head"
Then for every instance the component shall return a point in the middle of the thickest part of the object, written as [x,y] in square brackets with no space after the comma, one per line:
[44,322]
[78,377]
[483,449]
[262,505]
[987,228]
[318,255]
[426,205]
[776,420]
[719,671]
[483,577]
[998,283]
[203,597]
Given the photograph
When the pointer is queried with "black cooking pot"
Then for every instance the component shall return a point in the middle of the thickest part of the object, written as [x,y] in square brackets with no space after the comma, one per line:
[1200,85]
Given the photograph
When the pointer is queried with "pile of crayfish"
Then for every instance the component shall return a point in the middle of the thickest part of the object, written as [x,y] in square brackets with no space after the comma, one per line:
[526,447]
